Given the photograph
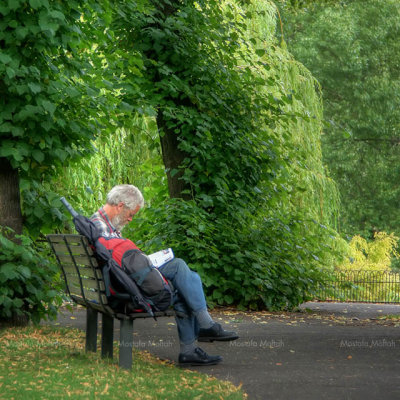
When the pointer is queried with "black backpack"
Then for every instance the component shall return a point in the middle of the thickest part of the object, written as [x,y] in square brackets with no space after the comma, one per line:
[155,288]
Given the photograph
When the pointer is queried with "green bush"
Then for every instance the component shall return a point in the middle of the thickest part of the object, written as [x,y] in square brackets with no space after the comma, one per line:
[266,264]
[29,283]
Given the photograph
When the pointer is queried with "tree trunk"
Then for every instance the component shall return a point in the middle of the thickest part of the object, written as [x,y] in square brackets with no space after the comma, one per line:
[11,216]
[172,158]
[10,203]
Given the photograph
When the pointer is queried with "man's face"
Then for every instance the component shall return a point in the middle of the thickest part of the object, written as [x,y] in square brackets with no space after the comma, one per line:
[124,216]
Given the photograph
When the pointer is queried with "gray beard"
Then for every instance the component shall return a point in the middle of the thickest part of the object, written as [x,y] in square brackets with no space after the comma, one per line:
[117,222]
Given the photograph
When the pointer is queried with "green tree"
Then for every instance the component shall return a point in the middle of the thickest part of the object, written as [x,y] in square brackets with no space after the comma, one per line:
[352,49]
[239,124]
[50,110]
[227,116]
[42,97]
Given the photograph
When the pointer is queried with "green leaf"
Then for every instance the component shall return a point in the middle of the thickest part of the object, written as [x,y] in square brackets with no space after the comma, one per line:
[57,15]
[21,32]
[17,155]
[24,184]
[4,10]
[17,303]
[48,26]
[126,107]
[228,299]
[38,211]
[10,72]
[14,4]
[17,131]
[49,106]
[28,111]
[5,58]
[56,203]
[36,88]
[8,272]
[35,4]
[13,24]
[24,271]
[61,154]
[72,91]
[38,155]
[6,127]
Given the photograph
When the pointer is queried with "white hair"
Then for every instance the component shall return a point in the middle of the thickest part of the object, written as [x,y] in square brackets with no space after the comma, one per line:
[130,195]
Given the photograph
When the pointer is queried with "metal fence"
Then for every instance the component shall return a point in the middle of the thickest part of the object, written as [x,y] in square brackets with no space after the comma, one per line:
[362,286]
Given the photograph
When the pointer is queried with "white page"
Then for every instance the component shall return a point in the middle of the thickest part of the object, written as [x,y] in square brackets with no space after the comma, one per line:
[161,257]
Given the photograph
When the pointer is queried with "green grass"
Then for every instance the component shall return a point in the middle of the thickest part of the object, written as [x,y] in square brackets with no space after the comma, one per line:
[50,363]
[389,317]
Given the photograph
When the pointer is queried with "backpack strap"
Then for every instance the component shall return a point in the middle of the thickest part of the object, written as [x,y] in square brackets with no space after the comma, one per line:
[132,291]
[107,221]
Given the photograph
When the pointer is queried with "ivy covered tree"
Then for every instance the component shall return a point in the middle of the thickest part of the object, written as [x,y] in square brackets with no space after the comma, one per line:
[225,120]
[239,125]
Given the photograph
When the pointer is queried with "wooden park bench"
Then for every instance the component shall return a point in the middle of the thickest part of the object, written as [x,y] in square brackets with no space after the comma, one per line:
[85,286]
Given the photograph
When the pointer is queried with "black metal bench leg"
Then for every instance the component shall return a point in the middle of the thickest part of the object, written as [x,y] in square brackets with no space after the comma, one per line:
[126,343]
[107,336]
[91,329]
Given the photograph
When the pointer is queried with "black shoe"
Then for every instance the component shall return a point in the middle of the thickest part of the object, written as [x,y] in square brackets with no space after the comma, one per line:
[198,357]
[216,332]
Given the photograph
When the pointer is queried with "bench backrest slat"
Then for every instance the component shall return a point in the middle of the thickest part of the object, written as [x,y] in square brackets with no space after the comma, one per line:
[86,272]
[87,283]
[76,248]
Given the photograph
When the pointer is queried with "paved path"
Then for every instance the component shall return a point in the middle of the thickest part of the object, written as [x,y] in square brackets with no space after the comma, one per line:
[328,351]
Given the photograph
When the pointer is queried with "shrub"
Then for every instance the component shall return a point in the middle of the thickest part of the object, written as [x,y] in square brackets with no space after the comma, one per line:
[374,255]
[29,283]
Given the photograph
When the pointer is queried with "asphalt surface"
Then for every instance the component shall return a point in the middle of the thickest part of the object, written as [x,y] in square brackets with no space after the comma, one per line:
[326,351]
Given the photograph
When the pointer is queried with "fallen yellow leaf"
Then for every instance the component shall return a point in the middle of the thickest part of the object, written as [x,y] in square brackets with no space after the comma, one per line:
[105,391]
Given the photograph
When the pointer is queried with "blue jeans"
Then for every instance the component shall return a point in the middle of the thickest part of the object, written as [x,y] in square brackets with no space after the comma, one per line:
[188,299]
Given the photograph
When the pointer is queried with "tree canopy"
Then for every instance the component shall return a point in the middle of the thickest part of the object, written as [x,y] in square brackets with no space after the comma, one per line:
[235,120]
[352,49]
[48,116]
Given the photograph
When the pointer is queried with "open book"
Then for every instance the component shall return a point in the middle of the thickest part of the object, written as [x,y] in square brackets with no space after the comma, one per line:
[161,257]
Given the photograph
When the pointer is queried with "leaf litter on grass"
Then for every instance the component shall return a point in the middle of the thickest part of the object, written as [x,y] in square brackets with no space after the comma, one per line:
[50,362]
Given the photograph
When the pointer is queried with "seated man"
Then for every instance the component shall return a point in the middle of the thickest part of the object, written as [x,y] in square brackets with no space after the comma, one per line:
[123,202]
